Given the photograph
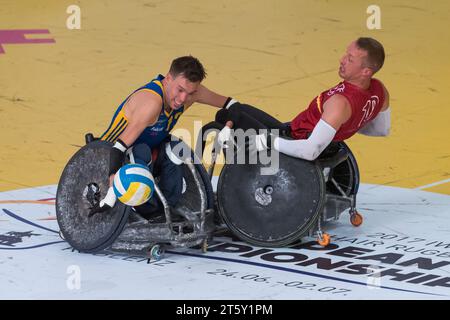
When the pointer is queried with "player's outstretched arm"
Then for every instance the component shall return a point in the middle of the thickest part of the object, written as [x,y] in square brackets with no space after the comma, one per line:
[336,112]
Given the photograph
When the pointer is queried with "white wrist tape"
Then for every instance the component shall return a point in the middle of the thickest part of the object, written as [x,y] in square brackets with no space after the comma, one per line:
[308,149]
[261,142]
[380,126]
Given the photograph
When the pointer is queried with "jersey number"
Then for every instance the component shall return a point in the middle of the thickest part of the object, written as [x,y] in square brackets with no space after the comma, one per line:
[368,109]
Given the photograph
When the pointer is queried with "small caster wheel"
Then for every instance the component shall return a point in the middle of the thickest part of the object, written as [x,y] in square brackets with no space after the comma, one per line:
[324,239]
[204,246]
[356,219]
[156,252]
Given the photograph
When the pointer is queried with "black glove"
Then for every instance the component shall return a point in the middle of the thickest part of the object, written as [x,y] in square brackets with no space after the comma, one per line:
[117,156]
[257,143]
[105,204]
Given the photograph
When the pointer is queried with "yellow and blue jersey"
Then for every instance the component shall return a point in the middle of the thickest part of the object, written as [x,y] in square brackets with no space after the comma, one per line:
[152,135]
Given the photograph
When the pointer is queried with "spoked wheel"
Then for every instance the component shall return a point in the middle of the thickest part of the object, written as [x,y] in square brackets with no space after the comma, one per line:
[271,210]
[83,182]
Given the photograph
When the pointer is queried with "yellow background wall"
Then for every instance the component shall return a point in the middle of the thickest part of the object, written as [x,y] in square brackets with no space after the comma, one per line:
[276,54]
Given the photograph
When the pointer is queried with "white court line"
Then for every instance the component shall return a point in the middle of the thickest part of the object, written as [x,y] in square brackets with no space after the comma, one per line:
[432,184]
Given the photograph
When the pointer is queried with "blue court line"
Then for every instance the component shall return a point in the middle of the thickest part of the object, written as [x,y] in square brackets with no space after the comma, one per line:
[33,247]
[258,264]
[15,216]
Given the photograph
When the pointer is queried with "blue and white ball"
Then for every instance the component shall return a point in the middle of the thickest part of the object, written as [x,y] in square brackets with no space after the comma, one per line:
[133,184]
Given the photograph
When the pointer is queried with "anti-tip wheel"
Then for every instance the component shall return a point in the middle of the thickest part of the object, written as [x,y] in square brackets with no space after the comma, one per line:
[324,239]
[356,219]
[156,252]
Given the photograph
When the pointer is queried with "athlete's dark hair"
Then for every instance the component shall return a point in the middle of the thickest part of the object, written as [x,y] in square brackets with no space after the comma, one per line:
[190,67]
[375,52]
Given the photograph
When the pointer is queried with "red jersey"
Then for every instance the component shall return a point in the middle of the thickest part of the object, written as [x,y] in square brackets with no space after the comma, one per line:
[365,104]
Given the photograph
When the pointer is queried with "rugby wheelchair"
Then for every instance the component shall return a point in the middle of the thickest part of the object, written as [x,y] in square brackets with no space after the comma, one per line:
[84,181]
[279,209]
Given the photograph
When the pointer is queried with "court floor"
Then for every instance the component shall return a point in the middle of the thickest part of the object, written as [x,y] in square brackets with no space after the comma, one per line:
[274,54]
